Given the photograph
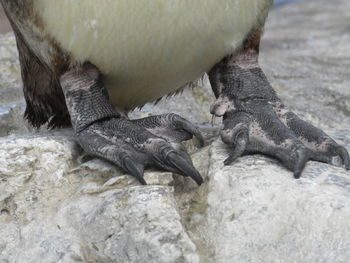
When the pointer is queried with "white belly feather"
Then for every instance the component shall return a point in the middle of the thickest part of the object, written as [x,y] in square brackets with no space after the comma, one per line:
[148,48]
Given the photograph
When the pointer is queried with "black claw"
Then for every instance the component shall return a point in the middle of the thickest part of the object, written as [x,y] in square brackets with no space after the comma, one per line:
[182,151]
[240,146]
[344,155]
[184,167]
[135,169]
[189,127]
[302,158]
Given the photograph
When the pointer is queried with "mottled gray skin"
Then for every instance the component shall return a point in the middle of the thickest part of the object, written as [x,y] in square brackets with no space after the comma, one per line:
[131,144]
[255,120]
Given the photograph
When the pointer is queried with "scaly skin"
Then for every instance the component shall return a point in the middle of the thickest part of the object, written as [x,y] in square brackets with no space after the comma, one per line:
[104,131]
[256,121]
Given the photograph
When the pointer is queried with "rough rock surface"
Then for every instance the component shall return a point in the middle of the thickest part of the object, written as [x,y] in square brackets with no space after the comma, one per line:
[59,205]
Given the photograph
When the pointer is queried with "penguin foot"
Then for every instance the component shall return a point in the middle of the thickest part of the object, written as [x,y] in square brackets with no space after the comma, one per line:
[102,130]
[135,144]
[171,127]
[270,128]
[256,121]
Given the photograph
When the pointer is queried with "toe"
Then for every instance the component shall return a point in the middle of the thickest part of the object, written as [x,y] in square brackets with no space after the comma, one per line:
[240,143]
[184,167]
[134,168]
[172,127]
[166,157]
[186,126]
[301,157]
[236,134]
[336,151]
[120,155]
[322,147]
[344,155]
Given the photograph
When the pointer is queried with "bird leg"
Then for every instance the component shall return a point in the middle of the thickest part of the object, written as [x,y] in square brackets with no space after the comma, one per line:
[255,119]
[132,145]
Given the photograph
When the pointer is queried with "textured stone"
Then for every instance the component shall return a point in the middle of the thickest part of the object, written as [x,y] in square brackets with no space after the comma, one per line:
[11,96]
[59,205]
[257,212]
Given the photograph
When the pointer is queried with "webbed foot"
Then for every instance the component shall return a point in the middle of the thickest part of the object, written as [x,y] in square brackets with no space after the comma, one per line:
[256,121]
[130,144]
[269,128]
[134,145]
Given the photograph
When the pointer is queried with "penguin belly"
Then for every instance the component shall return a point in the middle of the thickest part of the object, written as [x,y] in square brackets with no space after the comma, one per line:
[146,49]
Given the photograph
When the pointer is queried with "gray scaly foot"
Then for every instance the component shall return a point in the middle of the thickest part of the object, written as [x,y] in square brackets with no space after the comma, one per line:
[256,121]
[130,144]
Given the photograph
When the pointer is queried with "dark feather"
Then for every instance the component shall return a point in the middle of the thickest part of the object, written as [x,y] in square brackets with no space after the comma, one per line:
[42,90]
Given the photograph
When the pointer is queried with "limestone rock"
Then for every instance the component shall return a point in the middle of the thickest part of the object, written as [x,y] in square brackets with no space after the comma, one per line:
[55,209]
[11,97]
[59,205]
[257,212]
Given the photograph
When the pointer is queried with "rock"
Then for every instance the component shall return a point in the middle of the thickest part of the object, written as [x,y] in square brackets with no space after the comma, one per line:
[56,210]
[59,205]
[307,61]
[11,96]
[257,212]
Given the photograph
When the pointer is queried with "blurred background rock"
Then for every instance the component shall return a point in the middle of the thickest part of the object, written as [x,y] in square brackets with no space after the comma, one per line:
[4,24]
